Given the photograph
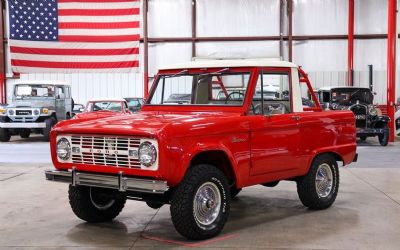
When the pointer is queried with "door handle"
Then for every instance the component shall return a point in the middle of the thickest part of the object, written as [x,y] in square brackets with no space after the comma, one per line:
[295,117]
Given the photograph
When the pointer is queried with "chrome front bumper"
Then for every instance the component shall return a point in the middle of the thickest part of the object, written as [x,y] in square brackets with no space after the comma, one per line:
[118,182]
[22,125]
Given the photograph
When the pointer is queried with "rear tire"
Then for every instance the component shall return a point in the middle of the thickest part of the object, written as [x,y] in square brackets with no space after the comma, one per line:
[89,205]
[25,133]
[235,191]
[50,122]
[384,138]
[4,135]
[200,204]
[318,189]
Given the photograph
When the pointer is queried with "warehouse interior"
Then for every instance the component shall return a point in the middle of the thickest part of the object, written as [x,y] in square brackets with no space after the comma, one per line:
[347,43]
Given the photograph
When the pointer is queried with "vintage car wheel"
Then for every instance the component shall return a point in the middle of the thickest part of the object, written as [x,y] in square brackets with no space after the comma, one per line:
[363,138]
[25,133]
[384,139]
[319,188]
[154,205]
[200,204]
[50,122]
[4,135]
[92,204]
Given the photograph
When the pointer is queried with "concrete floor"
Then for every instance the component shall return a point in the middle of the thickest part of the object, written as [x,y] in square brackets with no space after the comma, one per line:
[35,214]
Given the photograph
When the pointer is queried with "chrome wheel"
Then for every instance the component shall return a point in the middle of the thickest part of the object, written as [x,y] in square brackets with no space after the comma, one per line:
[99,201]
[324,180]
[206,204]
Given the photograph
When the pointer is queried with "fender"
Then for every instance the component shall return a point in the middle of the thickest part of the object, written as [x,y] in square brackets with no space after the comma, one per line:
[346,152]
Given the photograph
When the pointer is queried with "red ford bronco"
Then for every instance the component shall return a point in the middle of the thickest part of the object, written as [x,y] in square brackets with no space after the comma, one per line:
[195,150]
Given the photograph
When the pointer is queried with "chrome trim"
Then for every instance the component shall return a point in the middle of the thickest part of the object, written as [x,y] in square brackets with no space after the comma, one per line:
[22,125]
[117,182]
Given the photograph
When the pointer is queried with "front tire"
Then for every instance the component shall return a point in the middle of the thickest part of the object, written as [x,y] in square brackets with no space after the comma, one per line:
[50,122]
[200,205]
[4,135]
[384,138]
[318,189]
[91,205]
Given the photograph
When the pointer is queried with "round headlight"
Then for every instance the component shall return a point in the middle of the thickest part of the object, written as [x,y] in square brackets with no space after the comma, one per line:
[147,154]
[36,112]
[63,149]
[11,112]
[373,112]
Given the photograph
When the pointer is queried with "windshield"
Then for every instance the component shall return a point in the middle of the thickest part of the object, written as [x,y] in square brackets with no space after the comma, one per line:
[208,88]
[351,96]
[101,106]
[28,91]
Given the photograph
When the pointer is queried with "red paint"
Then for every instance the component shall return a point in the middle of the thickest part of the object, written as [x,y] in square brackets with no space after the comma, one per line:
[181,243]
[99,39]
[98,12]
[75,65]
[391,65]
[260,149]
[2,88]
[350,44]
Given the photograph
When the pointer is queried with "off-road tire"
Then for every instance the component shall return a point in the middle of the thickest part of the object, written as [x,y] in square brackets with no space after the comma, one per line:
[182,202]
[4,135]
[25,133]
[154,205]
[306,185]
[384,138]
[50,122]
[235,191]
[363,138]
[83,207]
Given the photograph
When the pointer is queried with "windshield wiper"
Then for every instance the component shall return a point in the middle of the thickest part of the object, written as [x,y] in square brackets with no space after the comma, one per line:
[177,74]
[219,72]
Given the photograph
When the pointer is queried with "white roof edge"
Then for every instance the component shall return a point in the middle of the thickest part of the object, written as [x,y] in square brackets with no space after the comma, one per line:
[231,63]
[342,87]
[45,82]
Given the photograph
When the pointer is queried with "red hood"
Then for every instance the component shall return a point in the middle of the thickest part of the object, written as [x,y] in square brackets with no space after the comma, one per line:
[150,123]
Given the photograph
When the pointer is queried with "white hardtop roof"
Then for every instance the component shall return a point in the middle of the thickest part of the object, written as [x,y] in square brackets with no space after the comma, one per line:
[44,82]
[327,88]
[231,63]
[107,99]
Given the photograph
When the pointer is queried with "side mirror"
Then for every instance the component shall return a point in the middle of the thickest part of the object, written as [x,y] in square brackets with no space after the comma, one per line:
[81,109]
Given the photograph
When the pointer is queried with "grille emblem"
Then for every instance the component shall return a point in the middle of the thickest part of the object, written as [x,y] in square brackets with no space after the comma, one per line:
[111,146]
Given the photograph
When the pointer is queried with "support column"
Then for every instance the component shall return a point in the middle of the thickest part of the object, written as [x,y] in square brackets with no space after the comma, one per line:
[194,25]
[391,64]
[290,24]
[146,50]
[3,94]
[350,45]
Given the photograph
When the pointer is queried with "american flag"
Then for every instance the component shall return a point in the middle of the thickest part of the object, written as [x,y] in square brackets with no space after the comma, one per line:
[74,36]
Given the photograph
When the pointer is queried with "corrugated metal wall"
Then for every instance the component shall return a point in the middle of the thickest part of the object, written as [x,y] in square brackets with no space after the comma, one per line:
[325,61]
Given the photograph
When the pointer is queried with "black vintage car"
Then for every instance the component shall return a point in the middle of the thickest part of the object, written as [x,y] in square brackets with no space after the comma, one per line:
[369,119]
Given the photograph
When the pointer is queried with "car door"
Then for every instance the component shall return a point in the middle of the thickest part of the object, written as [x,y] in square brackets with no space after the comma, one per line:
[274,128]
[60,103]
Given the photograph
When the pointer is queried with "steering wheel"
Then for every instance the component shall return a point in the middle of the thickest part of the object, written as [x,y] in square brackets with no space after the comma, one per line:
[240,94]
[258,111]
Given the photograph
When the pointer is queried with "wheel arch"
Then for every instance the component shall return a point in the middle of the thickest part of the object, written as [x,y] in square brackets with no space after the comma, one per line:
[219,159]
[334,154]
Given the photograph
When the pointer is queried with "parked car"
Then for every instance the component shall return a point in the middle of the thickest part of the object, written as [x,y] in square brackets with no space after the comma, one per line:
[36,107]
[369,119]
[78,108]
[198,156]
[178,99]
[134,103]
[104,107]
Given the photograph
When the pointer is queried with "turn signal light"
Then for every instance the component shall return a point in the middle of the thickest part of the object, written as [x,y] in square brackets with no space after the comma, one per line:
[45,111]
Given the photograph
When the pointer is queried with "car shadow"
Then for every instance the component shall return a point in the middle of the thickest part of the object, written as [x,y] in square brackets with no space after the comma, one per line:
[32,139]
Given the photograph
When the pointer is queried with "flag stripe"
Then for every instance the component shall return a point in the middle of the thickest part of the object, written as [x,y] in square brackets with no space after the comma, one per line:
[99,39]
[82,25]
[23,69]
[87,52]
[74,58]
[102,5]
[93,12]
[68,45]
[97,32]
[77,65]
[99,19]
[95,1]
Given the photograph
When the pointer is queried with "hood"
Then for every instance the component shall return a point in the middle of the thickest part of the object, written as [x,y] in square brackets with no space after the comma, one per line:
[31,103]
[150,123]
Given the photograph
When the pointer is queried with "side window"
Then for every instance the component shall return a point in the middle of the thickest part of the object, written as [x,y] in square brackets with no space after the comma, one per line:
[60,93]
[272,94]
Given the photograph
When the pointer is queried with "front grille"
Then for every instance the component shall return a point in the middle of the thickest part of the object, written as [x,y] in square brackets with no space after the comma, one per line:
[23,112]
[107,151]
[361,115]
